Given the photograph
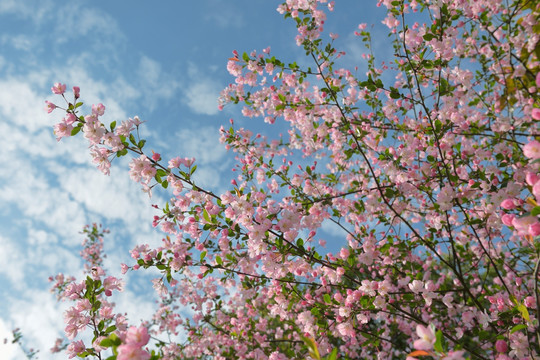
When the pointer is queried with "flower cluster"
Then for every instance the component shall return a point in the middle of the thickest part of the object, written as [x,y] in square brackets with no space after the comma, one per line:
[410,164]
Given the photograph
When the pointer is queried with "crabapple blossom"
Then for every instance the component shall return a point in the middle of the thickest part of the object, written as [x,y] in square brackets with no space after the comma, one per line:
[402,195]
[75,348]
[132,352]
[427,337]
[58,88]
[49,106]
[137,336]
[532,150]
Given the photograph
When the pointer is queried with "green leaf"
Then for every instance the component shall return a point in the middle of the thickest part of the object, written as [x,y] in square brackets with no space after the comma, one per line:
[203,255]
[517,328]
[245,56]
[76,130]
[439,341]
[113,125]
[161,172]
[206,216]
[535,211]
[219,260]
[332,355]
[89,283]
[429,37]
[327,299]
[110,329]
[524,312]
[121,152]
[312,347]
[438,125]
[394,93]
[106,343]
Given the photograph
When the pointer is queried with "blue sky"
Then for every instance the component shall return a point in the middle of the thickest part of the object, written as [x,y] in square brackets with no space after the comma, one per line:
[164,61]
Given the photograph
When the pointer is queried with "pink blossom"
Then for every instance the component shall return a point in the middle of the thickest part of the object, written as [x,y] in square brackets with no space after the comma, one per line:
[416,286]
[156,156]
[106,312]
[71,331]
[427,337]
[538,80]
[519,345]
[49,107]
[530,302]
[113,141]
[98,109]
[391,21]
[132,352]
[58,346]
[532,150]
[93,130]
[100,156]
[175,162]
[507,219]
[136,121]
[276,355]
[531,178]
[141,168]
[125,268]
[534,229]
[137,336]
[58,88]
[346,329]
[76,92]
[522,224]
[75,348]
[508,204]
[111,283]
[501,346]
[454,355]
[125,128]
[62,129]
[536,113]
[70,118]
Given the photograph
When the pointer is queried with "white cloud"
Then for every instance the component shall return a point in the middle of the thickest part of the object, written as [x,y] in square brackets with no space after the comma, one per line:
[201,92]
[154,83]
[13,261]
[201,143]
[19,42]
[41,322]
[224,16]
[36,10]
[20,104]
[149,71]
[78,20]
[50,190]
[8,350]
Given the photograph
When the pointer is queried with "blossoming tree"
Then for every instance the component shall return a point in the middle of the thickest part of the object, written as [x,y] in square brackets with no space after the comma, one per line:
[427,165]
